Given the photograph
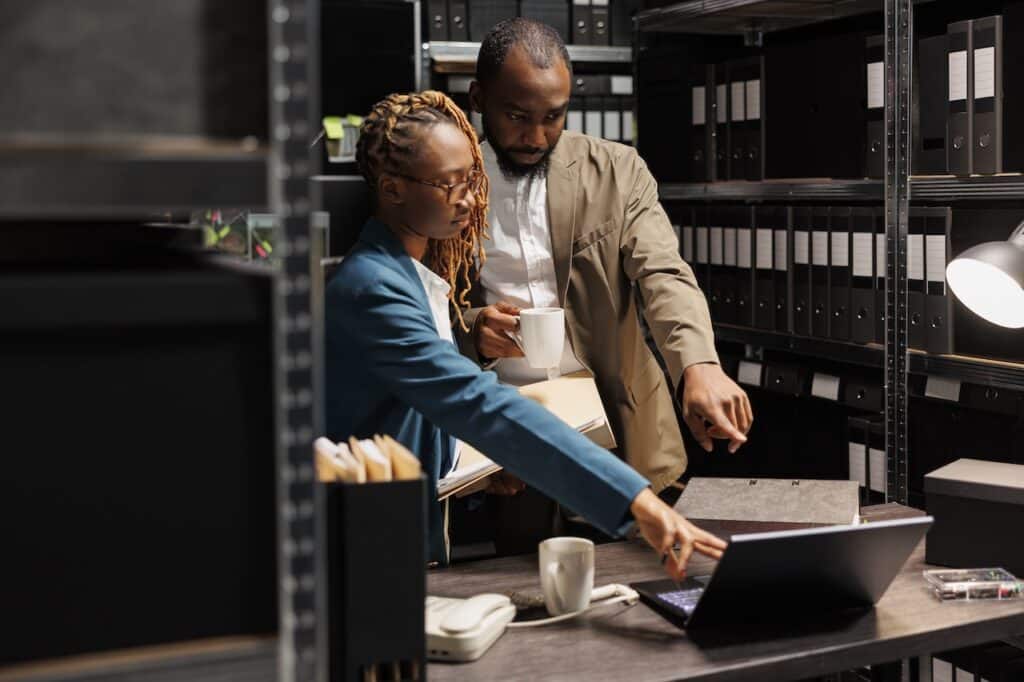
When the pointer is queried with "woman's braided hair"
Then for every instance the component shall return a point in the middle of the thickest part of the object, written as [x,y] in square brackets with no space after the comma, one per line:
[388,141]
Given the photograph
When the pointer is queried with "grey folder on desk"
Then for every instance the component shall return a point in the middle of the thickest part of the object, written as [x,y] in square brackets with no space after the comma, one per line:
[770,500]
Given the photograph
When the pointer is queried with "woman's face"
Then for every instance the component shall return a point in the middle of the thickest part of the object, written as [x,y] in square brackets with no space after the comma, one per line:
[445,159]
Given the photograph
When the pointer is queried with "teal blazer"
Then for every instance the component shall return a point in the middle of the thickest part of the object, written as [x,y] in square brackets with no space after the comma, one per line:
[388,371]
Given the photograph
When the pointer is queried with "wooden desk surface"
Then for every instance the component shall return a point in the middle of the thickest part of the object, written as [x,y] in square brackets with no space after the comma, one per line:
[634,643]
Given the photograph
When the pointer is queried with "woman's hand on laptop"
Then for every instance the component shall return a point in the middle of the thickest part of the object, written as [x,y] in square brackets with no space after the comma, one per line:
[664,530]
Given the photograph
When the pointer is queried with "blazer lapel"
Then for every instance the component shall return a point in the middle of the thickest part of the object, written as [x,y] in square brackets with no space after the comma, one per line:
[562,181]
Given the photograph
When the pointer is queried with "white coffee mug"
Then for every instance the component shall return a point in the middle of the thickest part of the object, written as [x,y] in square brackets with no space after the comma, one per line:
[566,574]
[541,336]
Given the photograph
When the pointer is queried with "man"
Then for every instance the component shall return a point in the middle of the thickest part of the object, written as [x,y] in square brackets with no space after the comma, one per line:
[575,222]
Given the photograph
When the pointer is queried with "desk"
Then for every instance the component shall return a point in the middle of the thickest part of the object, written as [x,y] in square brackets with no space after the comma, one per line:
[635,643]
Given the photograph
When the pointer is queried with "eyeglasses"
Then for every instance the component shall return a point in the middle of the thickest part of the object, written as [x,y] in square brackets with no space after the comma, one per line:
[453,193]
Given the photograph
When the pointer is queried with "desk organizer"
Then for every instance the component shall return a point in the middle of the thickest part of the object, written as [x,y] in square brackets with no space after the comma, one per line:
[376,580]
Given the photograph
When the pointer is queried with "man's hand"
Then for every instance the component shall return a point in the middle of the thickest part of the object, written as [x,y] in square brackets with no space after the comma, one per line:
[504,483]
[663,528]
[491,339]
[715,407]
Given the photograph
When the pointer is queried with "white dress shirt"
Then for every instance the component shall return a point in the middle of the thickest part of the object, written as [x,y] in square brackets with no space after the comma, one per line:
[437,295]
[520,267]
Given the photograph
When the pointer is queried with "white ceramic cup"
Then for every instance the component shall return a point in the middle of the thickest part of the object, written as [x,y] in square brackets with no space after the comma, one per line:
[566,574]
[541,336]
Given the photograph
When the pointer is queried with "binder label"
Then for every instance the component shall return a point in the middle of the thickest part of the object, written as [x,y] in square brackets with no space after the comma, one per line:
[716,246]
[859,463]
[881,256]
[702,245]
[825,386]
[942,388]
[862,254]
[876,85]
[592,123]
[612,126]
[738,109]
[753,100]
[781,262]
[819,248]
[574,121]
[984,72]
[720,103]
[688,244]
[915,256]
[628,129]
[935,258]
[957,75]
[749,373]
[841,249]
[729,234]
[879,479]
[764,249]
[698,96]
[942,671]
[743,251]
[622,85]
[801,250]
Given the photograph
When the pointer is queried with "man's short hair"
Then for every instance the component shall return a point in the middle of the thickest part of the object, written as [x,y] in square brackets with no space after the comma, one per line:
[541,42]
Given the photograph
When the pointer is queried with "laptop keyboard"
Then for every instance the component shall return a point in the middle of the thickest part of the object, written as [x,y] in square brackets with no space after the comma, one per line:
[683,599]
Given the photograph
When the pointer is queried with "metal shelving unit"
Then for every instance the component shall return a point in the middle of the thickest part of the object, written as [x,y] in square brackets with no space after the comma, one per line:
[870,355]
[465,53]
[1008,187]
[981,371]
[813,189]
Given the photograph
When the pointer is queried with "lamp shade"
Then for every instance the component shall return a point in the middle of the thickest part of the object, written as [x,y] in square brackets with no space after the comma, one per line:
[989,280]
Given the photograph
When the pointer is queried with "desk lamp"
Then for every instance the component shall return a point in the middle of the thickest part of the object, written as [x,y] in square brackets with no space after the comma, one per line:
[989,280]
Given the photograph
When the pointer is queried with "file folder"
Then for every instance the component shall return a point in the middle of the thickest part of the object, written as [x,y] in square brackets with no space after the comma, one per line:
[960,120]
[988,95]
[699,108]
[686,248]
[783,253]
[437,19]
[593,116]
[723,116]
[581,22]
[862,275]
[839,273]
[628,123]
[701,255]
[801,298]
[612,115]
[858,429]
[574,116]
[720,279]
[938,303]
[764,267]
[747,108]
[874,160]
[554,13]
[599,23]
[737,123]
[733,295]
[916,332]
[819,273]
[932,79]
[881,272]
[745,274]
[458,20]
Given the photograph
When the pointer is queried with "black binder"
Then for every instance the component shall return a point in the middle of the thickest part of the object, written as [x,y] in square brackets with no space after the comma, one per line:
[593,116]
[819,273]
[766,221]
[881,272]
[700,106]
[839,273]
[484,14]
[686,246]
[721,280]
[437,19]
[988,95]
[745,272]
[628,125]
[932,83]
[917,336]
[938,303]
[737,122]
[622,21]
[960,121]
[801,298]
[783,252]
[747,95]
[600,23]
[874,159]
[858,430]
[862,275]
[700,243]
[581,22]
[458,20]
[574,117]
[612,113]
[554,13]
[734,283]
[723,116]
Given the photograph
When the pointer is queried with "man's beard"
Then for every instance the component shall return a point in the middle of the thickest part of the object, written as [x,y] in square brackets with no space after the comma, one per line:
[512,169]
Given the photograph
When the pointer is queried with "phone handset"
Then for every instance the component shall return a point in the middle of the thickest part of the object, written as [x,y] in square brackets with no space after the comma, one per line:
[471,613]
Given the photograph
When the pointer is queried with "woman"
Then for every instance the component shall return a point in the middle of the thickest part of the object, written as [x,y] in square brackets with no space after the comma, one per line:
[391,364]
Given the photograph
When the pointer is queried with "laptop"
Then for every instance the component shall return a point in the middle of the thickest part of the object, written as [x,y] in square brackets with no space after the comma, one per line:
[786,575]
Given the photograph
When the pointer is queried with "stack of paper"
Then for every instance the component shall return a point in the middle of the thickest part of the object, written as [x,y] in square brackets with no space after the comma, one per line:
[573,398]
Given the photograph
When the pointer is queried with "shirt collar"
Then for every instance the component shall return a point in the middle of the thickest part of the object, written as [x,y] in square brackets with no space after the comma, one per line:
[430,279]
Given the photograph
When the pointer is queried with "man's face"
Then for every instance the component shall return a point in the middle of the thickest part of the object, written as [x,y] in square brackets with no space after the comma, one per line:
[523,111]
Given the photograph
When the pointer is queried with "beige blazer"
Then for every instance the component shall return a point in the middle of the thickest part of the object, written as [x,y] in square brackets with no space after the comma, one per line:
[612,239]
